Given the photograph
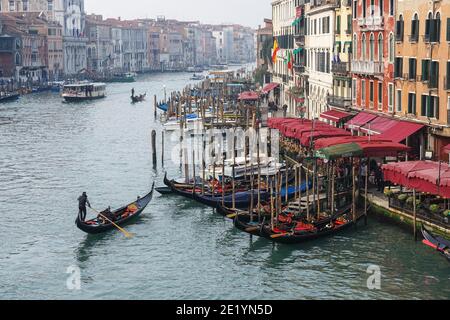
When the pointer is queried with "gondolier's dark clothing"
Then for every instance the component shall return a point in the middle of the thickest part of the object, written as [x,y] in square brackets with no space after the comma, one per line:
[82,201]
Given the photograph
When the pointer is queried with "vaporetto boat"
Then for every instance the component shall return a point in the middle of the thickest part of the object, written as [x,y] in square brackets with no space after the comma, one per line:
[84,91]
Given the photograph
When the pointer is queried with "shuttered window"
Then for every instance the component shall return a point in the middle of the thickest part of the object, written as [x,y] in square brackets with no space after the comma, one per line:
[448,29]
[425,70]
[412,68]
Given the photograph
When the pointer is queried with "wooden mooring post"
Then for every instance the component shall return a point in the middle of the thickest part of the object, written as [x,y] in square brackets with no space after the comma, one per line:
[154,148]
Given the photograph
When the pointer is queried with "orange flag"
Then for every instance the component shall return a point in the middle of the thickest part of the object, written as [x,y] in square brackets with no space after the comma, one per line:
[275,50]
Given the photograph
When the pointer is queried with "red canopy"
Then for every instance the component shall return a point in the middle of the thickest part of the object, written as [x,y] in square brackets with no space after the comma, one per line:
[275,123]
[270,87]
[447,149]
[424,176]
[381,149]
[318,134]
[361,119]
[329,142]
[335,115]
[248,96]
[402,130]
[379,125]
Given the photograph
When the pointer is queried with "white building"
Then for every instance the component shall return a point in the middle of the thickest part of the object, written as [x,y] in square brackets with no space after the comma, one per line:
[319,45]
[283,17]
[224,43]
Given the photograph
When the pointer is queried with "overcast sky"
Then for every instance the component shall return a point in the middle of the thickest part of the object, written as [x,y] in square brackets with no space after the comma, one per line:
[246,12]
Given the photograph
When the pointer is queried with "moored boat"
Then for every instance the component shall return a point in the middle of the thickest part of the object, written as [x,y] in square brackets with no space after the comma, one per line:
[84,92]
[122,216]
[138,98]
[438,243]
[9,97]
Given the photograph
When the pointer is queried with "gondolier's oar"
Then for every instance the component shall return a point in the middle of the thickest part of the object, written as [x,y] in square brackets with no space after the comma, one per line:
[126,233]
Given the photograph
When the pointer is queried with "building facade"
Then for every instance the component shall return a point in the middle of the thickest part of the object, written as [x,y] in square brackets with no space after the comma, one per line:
[422,70]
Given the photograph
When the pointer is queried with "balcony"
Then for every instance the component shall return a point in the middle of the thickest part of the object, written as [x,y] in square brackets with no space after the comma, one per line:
[300,38]
[339,102]
[371,68]
[320,3]
[340,68]
[299,67]
[372,23]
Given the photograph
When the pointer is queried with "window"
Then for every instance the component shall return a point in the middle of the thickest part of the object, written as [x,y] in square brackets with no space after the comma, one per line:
[412,69]
[380,6]
[391,97]
[398,101]
[380,95]
[371,47]
[12,5]
[355,9]
[355,46]
[363,92]
[391,7]
[391,48]
[371,93]
[349,24]
[412,103]
[398,69]
[380,47]
[434,75]
[428,26]
[447,78]
[338,24]
[354,90]
[425,70]
[363,47]
[414,29]
[448,29]
[25,5]
[430,106]
[435,28]
[364,8]
[399,27]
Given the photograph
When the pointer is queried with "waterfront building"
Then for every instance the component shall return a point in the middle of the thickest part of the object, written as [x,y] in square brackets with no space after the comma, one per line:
[341,97]
[284,14]
[24,48]
[372,63]
[75,40]
[100,47]
[264,42]
[224,36]
[301,89]
[52,9]
[319,44]
[422,71]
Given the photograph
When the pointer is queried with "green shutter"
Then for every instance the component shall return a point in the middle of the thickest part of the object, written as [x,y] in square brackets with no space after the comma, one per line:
[448,29]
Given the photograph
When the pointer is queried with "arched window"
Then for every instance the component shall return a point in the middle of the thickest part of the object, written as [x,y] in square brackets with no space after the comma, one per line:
[414,28]
[436,28]
[428,26]
[18,59]
[355,46]
[400,26]
[363,47]
[380,47]
[372,47]
[391,48]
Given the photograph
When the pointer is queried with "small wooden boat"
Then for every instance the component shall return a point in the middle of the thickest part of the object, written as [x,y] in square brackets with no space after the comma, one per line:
[438,243]
[9,97]
[139,98]
[302,232]
[123,216]
[164,190]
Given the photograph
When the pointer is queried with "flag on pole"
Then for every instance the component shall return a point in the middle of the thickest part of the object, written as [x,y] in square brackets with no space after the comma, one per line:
[275,51]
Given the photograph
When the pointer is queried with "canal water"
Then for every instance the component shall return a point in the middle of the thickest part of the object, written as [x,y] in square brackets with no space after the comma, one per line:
[53,151]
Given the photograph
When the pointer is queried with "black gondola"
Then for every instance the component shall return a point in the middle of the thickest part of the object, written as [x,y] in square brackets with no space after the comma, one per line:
[164,190]
[9,97]
[317,231]
[139,98]
[122,215]
[438,243]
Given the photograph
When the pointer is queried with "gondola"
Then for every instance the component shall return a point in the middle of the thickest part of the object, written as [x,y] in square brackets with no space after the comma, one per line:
[304,232]
[9,97]
[164,190]
[438,243]
[139,98]
[241,199]
[124,215]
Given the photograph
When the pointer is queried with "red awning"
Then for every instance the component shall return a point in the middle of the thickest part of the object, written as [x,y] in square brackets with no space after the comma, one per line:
[329,142]
[249,96]
[379,125]
[381,149]
[447,149]
[361,119]
[270,87]
[402,130]
[424,176]
[335,116]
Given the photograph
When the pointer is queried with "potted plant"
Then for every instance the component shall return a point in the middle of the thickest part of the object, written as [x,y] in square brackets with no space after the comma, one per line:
[388,193]
[446,216]
[434,208]
[402,197]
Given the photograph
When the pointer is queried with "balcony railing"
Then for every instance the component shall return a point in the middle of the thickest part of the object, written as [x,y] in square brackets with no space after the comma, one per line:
[371,23]
[299,67]
[340,67]
[319,3]
[368,67]
[299,38]
[340,102]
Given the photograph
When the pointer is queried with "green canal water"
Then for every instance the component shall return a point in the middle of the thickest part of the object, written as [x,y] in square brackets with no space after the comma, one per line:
[54,151]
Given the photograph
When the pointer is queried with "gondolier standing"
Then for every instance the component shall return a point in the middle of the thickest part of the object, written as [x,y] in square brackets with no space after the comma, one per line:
[132,92]
[82,201]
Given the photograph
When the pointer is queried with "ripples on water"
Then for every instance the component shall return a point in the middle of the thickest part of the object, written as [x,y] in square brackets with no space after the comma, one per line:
[54,151]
